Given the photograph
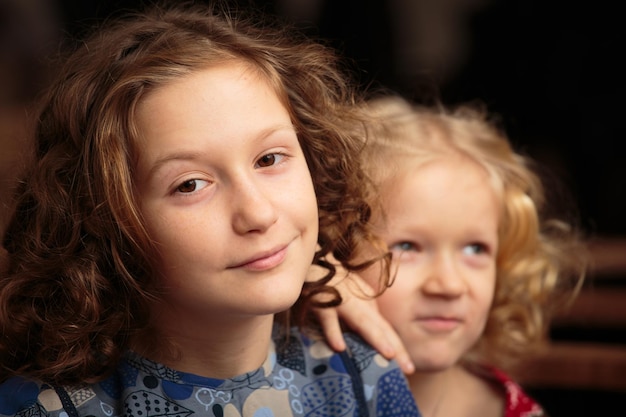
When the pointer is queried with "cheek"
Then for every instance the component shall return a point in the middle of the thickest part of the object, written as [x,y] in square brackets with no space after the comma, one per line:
[313,211]
[187,239]
[306,215]
[168,229]
[489,287]
[395,302]
[373,274]
[301,197]
[484,296]
[370,275]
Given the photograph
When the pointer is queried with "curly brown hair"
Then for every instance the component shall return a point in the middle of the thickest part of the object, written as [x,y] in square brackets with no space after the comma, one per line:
[541,261]
[80,274]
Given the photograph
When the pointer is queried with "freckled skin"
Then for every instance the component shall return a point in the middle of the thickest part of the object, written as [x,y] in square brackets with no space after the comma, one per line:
[226,193]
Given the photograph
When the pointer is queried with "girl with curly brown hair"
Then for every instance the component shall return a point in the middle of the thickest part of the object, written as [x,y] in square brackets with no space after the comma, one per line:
[190,166]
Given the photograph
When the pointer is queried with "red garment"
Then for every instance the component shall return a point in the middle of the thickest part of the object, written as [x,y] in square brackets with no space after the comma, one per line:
[518,403]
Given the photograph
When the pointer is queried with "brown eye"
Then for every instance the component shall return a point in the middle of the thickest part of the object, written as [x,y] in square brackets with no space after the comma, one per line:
[187,187]
[267,160]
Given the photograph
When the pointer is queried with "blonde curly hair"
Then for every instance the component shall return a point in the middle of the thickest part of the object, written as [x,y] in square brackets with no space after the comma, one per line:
[540,262]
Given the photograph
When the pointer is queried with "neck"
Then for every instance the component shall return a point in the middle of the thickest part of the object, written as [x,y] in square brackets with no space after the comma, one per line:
[430,389]
[456,391]
[220,349]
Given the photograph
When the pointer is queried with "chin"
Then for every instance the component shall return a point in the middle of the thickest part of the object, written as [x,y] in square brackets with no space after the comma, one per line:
[434,364]
[276,302]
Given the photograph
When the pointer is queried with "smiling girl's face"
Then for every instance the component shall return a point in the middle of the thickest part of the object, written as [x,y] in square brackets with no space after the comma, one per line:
[442,229]
[226,194]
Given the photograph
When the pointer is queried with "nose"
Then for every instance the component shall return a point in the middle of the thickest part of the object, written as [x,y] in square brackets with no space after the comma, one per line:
[253,209]
[443,277]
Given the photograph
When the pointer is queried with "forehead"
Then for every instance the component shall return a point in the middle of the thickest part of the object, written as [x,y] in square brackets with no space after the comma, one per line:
[170,95]
[223,107]
[446,185]
[444,157]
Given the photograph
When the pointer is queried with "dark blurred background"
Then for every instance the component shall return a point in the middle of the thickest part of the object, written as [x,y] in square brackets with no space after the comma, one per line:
[551,70]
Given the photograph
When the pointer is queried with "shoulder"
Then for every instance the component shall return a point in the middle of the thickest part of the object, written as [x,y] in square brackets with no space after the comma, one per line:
[305,352]
[20,397]
[360,372]
[381,378]
[24,397]
[517,402]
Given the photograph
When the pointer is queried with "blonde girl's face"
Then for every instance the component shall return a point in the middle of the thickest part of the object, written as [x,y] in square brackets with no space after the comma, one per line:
[227,195]
[442,229]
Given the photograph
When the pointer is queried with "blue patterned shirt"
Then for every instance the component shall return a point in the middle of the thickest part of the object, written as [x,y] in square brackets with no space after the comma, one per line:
[305,379]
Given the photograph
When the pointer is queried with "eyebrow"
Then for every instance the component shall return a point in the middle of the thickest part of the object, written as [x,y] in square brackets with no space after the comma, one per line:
[191,155]
[177,156]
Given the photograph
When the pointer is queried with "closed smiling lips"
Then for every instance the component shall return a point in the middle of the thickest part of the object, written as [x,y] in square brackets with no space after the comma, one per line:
[439,324]
[264,260]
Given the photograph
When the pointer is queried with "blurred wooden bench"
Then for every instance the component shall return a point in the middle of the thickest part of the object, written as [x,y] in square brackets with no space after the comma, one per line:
[578,366]
[600,307]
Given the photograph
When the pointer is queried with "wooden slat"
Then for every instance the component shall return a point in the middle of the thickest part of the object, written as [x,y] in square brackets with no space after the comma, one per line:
[588,365]
[596,307]
[608,257]
[568,365]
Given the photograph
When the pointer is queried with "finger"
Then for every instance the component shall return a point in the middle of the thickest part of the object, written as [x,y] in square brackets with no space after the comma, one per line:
[370,329]
[364,318]
[329,320]
[401,354]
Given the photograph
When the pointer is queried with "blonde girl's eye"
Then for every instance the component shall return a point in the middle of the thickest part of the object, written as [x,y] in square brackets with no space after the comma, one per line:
[191,186]
[403,247]
[475,249]
[268,160]
[405,251]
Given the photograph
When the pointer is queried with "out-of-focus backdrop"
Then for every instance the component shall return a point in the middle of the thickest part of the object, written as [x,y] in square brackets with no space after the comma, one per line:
[553,72]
